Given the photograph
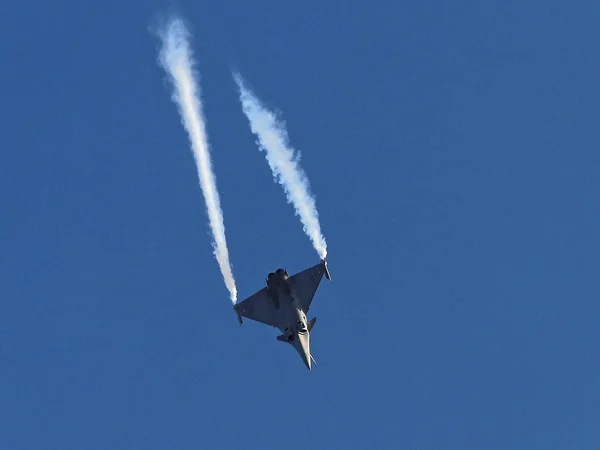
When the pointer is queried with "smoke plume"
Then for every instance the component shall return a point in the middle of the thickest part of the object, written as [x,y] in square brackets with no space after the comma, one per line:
[284,163]
[176,58]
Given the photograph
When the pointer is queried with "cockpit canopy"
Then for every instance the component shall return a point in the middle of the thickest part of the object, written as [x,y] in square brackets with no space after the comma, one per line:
[301,327]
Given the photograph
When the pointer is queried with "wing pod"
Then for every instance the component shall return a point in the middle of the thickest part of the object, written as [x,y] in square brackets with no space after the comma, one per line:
[239,317]
[327,275]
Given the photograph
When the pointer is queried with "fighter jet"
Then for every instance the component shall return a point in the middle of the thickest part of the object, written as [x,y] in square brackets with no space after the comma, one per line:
[284,304]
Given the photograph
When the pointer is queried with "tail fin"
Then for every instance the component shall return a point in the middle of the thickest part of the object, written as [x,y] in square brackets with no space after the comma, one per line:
[311,323]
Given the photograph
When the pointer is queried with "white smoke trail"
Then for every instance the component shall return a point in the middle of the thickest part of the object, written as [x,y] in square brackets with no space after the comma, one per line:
[176,58]
[273,139]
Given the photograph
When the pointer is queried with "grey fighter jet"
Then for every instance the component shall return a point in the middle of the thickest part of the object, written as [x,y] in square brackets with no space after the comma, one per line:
[284,304]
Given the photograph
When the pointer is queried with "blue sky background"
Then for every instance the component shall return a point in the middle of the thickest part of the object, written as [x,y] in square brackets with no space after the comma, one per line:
[453,151]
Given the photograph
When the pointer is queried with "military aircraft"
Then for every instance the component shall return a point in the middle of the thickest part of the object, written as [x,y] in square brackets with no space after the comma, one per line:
[284,303]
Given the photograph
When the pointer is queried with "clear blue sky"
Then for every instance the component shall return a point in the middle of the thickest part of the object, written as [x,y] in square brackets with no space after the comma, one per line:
[453,151]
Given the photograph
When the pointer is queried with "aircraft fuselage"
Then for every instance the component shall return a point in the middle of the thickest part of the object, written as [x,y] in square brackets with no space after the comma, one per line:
[288,310]
[291,318]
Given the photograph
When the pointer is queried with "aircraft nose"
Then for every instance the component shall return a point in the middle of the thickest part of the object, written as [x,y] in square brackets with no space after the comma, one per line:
[305,349]
[307,362]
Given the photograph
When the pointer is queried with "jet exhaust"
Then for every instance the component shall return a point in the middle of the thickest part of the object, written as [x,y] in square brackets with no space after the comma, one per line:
[273,139]
[176,58]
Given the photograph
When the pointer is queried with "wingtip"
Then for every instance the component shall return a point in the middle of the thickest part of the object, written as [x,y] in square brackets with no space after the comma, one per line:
[327,274]
[237,313]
